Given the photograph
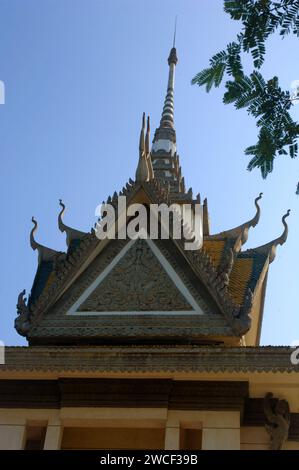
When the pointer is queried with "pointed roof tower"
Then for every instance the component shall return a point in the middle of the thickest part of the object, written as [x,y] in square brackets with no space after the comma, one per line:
[164,143]
[166,129]
[164,157]
[150,290]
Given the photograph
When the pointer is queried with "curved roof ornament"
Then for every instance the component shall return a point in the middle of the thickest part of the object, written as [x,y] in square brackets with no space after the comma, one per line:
[240,233]
[254,221]
[269,249]
[44,253]
[61,225]
[71,234]
[34,245]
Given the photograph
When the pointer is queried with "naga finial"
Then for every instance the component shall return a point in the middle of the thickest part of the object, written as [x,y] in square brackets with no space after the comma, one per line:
[22,322]
[44,253]
[252,222]
[21,300]
[280,240]
[256,218]
[283,237]
[269,249]
[71,234]
[34,245]
[61,225]
[242,317]
[240,233]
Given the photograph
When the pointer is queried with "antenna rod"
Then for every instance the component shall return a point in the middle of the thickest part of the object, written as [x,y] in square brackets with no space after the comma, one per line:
[174,35]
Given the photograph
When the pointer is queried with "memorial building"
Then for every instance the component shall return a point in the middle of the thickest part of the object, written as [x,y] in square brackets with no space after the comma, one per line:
[144,344]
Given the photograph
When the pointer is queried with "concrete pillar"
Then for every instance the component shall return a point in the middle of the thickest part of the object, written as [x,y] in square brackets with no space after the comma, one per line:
[172,438]
[12,437]
[53,437]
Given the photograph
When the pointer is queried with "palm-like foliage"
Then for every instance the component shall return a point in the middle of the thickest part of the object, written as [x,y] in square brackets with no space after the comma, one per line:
[264,100]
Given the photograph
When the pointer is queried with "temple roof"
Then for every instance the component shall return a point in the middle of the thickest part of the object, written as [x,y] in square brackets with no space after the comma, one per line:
[101,291]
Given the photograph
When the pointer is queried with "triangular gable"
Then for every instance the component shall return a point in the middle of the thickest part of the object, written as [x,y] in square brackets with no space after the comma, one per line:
[138,280]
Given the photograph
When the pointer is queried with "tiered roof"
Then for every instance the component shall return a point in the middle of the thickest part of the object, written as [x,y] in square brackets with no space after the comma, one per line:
[220,288]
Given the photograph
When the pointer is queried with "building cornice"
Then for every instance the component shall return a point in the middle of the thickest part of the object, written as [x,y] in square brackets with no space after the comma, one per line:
[155,359]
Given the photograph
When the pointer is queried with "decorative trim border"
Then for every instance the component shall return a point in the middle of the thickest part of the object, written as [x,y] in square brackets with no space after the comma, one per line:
[152,358]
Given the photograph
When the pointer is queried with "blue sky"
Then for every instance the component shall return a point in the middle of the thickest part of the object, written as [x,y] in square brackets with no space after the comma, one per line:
[78,75]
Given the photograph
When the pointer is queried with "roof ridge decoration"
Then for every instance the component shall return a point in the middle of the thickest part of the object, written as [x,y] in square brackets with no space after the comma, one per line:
[22,322]
[240,233]
[144,171]
[238,317]
[69,264]
[269,249]
[44,253]
[71,234]
[147,150]
[64,267]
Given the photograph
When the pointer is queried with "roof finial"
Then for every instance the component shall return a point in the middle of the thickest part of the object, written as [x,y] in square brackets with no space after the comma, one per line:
[71,233]
[283,238]
[142,171]
[61,225]
[147,150]
[34,245]
[270,248]
[44,253]
[141,140]
[147,136]
[240,233]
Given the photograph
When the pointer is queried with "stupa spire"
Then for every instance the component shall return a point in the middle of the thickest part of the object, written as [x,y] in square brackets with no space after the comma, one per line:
[164,157]
[165,138]
[167,118]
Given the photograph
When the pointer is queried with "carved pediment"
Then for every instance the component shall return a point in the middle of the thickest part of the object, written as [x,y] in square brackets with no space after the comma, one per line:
[141,280]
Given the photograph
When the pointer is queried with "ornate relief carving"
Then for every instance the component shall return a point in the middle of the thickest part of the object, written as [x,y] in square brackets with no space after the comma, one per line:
[137,283]
[278,416]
